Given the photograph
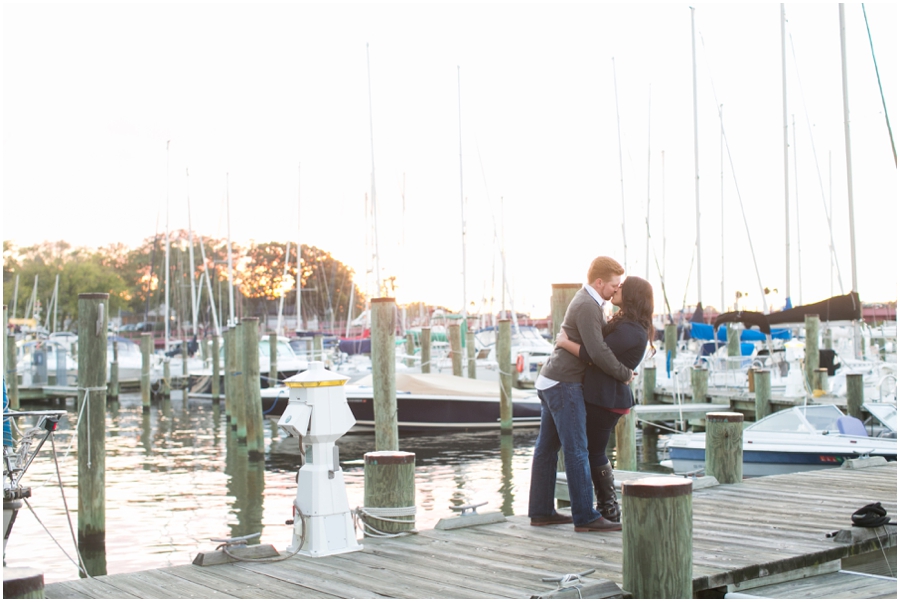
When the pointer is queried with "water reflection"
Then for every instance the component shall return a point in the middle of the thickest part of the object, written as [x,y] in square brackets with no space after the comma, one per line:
[176,478]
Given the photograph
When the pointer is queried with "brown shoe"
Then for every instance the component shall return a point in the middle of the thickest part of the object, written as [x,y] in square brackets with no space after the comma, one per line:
[600,524]
[554,519]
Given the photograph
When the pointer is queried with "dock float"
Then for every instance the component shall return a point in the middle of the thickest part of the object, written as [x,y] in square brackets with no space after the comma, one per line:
[785,535]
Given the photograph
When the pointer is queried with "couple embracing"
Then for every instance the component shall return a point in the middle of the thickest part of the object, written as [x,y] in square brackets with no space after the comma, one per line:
[584,390]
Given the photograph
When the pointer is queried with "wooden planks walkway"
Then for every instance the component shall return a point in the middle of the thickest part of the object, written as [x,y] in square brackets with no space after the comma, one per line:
[758,532]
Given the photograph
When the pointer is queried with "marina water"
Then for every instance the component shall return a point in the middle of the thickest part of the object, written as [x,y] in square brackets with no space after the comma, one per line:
[174,480]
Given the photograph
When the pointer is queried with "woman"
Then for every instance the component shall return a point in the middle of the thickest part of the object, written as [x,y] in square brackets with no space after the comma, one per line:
[605,398]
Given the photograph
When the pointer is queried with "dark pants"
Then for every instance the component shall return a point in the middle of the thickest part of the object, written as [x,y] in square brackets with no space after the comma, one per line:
[600,423]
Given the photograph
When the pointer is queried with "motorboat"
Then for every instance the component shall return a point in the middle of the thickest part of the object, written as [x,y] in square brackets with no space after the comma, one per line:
[287,362]
[429,402]
[796,439]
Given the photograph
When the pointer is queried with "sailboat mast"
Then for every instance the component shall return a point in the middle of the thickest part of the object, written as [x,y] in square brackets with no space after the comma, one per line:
[797,213]
[299,272]
[191,257]
[787,200]
[166,348]
[374,210]
[722,202]
[462,206]
[212,301]
[855,289]
[621,173]
[231,321]
[647,244]
[696,161]
[287,258]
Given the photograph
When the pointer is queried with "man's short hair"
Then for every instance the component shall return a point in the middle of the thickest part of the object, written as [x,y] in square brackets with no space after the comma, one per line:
[604,268]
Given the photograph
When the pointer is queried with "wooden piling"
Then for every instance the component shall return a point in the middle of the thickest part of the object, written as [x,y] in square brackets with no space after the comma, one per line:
[455,348]
[560,297]
[228,340]
[725,446]
[762,389]
[204,348]
[426,350]
[812,348]
[826,339]
[318,348]
[216,375]
[93,312]
[390,489]
[238,386]
[113,392]
[649,383]
[22,583]
[470,352]
[733,336]
[256,443]
[821,380]
[854,395]
[146,350]
[273,359]
[657,545]
[12,374]
[410,350]
[384,387]
[626,443]
[699,383]
[504,366]
[167,379]
[671,341]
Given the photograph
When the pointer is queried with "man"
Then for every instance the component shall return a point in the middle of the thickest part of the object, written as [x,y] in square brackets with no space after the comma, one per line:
[562,406]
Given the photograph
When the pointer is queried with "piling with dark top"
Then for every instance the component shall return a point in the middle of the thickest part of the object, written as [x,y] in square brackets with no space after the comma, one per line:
[854,395]
[811,356]
[390,488]
[22,583]
[649,383]
[113,392]
[216,376]
[12,377]
[699,383]
[762,389]
[384,386]
[725,446]
[426,350]
[657,544]
[626,443]
[455,348]
[228,367]
[821,379]
[273,359]
[504,366]
[253,406]
[146,350]
[560,297]
[470,352]
[93,310]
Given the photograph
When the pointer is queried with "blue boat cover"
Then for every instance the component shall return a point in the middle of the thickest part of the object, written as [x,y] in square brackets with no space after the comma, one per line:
[704,332]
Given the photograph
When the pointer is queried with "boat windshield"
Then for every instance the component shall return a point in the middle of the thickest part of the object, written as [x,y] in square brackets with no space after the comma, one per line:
[800,420]
[886,413]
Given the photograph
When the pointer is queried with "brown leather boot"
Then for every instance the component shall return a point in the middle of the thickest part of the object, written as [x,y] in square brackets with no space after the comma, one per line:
[605,489]
[600,524]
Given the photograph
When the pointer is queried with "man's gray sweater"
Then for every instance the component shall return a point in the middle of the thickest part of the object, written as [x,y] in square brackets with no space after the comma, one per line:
[584,325]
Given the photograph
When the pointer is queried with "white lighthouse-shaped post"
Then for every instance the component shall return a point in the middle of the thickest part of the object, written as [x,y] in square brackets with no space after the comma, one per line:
[317,411]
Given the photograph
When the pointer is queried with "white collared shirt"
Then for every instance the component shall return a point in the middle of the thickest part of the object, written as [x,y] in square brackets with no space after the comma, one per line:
[542,382]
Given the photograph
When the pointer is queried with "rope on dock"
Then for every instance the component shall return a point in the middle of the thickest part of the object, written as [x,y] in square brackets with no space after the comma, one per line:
[361,514]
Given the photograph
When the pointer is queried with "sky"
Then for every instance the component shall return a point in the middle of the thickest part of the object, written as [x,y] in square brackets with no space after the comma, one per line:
[547,134]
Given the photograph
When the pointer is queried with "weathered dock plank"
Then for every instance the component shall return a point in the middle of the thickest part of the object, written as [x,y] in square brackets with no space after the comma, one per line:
[839,584]
[758,531]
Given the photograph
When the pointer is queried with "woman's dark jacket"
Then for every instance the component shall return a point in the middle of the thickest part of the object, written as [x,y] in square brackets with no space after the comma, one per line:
[628,341]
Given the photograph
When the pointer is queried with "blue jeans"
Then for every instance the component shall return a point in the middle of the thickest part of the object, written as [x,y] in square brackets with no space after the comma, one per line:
[562,425]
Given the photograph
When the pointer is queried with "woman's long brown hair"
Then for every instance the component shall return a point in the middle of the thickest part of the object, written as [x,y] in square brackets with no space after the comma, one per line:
[637,306]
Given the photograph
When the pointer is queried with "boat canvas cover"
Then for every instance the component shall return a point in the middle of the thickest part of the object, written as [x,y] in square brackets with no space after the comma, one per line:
[842,307]
[448,385]
[704,332]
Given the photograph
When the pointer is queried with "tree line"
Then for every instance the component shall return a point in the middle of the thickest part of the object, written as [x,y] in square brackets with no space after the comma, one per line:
[135,279]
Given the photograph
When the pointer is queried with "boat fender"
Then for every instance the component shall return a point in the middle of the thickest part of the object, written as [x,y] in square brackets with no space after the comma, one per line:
[520,363]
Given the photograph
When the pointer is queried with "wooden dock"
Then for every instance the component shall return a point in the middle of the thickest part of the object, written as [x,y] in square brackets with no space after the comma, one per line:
[773,532]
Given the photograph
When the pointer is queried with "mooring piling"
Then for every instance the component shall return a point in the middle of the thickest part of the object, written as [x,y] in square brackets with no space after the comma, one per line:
[811,355]
[113,392]
[273,359]
[146,350]
[626,442]
[253,405]
[504,366]
[390,491]
[854,394]
[762,390]
[215,369]
[470,352]
[699,383]
[426,350]
[453,334]
[92,324]
[657,541]
[725,446]
[384,386]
